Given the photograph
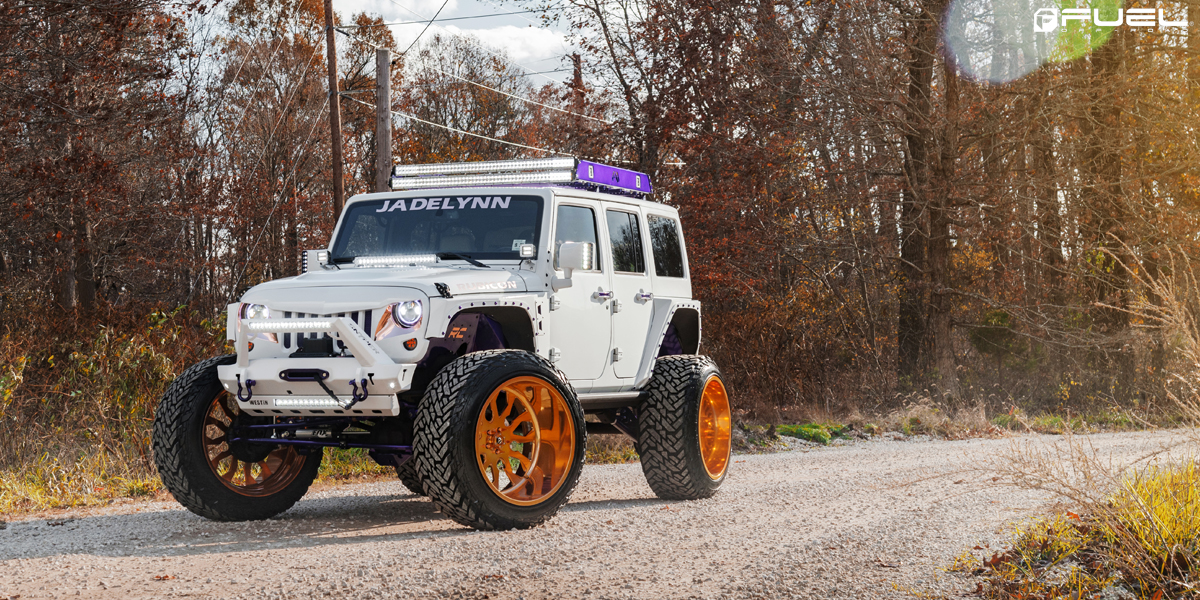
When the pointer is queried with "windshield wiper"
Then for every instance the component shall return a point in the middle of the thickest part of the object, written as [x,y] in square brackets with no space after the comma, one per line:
[462,257]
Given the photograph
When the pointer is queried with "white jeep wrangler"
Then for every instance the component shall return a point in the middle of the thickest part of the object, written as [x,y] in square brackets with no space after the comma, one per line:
[459,328]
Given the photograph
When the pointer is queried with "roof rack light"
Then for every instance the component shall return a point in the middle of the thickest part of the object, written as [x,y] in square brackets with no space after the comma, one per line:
[491,166]
[578,173]
[413,183]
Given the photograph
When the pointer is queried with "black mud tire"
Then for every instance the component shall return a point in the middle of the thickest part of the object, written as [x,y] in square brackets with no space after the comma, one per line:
[183,467]
[669,429]
[444,444]
[407,472]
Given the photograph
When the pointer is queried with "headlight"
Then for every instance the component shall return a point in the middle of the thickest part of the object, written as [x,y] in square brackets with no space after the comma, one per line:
[257,311]
[254,311]
[407,314]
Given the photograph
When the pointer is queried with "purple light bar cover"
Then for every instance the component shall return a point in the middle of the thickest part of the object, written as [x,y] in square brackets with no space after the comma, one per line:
[613,177]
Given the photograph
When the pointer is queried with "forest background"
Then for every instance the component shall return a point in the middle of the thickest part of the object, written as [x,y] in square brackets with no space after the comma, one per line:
[874,216]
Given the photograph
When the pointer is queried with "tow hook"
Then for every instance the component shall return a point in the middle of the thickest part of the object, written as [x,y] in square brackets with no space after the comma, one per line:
[355,395]
[249,389]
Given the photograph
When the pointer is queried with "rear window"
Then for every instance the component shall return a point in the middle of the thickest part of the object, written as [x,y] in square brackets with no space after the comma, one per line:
[626,238]
[668,253]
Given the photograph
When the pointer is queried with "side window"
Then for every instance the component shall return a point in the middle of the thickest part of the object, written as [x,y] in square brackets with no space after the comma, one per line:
[664,238]
[626,239]
[576,224]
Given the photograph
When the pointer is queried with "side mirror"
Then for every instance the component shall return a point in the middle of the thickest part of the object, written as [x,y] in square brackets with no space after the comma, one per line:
[571,256]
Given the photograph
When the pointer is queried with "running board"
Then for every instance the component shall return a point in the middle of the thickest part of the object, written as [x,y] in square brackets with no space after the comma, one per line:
[605,400]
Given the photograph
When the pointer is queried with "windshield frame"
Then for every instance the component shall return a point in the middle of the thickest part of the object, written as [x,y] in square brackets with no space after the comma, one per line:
[345,226]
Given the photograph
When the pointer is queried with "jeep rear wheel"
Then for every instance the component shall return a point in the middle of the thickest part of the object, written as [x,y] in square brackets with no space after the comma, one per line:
[685,428]
[206,469]
[499,440]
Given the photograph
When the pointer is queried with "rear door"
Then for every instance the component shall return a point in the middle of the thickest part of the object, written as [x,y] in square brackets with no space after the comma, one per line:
[632,303]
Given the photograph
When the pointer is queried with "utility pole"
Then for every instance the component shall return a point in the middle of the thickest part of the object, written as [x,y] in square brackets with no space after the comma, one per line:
[383,120]
[335,113]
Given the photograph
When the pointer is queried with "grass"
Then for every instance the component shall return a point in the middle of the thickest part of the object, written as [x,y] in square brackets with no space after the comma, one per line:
[1093,422]
[1142,538]
[820,433]
[610,449]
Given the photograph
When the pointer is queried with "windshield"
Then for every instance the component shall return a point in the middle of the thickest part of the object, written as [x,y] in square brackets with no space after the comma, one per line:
[480,227]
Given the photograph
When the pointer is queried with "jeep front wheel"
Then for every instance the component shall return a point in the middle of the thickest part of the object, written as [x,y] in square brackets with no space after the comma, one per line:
[684,428]
[208,471]
[499,440]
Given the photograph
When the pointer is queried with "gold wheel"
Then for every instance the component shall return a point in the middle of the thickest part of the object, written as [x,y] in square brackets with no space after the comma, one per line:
[248,470]
[715,428]
[525,440]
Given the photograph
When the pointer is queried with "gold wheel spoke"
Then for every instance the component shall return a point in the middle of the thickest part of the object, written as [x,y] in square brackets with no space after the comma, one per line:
[524,417]
[247,478]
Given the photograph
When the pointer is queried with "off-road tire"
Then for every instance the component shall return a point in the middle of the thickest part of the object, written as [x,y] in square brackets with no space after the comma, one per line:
[668,429]
[182,465]
[409,477]
[444,444]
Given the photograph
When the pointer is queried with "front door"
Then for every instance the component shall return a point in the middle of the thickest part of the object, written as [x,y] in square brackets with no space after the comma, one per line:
[580,326]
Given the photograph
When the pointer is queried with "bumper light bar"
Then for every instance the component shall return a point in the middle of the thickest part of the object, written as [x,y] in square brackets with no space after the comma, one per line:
[570,171]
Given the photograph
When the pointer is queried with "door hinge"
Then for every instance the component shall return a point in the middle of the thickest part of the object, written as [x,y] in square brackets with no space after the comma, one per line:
[555,303]
[616,306]
[555,355]
[617,354]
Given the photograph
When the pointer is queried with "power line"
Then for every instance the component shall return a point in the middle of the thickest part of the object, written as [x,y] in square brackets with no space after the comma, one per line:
[278,200]
[513,96]
[419,35]
[421,16]
[442,20]
[455,130]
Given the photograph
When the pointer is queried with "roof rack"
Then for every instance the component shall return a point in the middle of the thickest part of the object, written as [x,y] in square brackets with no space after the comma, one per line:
[568,171]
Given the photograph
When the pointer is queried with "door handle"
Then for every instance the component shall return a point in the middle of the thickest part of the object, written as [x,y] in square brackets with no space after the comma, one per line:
[602,295]
[645,296]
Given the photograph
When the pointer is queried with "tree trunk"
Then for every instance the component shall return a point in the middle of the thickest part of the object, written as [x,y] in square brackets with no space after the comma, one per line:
[941,330]
[914,233]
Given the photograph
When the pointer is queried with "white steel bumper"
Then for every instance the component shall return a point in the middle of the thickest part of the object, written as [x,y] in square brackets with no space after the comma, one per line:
[277,391]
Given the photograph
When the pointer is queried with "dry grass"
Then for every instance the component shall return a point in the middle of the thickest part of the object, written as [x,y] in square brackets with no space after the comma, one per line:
[610,449]
[1134,531]
[921,415]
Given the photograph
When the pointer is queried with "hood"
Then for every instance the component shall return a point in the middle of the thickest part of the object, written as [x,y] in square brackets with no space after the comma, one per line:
[361,288]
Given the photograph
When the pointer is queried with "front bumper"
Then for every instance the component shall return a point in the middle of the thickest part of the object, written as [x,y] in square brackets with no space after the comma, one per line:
[364,384]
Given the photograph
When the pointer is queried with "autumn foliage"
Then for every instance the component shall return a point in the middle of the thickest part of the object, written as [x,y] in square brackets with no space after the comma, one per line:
[866,218]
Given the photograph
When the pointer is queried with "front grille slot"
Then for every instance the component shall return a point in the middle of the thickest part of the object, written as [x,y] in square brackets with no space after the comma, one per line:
[360,318]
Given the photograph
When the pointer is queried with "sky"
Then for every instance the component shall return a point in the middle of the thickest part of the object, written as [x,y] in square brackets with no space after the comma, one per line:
[527,41]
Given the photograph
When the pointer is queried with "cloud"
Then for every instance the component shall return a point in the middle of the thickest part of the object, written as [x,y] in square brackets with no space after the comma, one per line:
[524,45]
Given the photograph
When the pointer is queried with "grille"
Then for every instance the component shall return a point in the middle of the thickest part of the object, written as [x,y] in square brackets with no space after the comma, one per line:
[360,318]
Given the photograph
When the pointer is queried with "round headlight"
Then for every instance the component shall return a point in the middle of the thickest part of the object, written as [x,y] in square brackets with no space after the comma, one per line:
[407,314]
[255,311]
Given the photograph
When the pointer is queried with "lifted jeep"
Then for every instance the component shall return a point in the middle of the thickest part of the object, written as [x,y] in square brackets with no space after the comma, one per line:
[459,328]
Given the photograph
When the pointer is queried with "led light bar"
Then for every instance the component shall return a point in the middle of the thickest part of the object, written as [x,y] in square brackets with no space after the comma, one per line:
[570,171]
[393,261]
[491,166]
[280,325]
[323,402]
[412,183]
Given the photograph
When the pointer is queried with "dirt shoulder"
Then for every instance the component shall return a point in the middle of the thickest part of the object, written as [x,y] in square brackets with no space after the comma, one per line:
[864,520]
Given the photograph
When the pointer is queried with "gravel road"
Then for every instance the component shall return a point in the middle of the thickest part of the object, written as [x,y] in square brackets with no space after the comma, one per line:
[871,519]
